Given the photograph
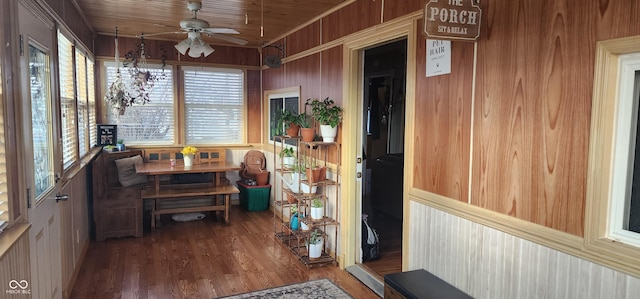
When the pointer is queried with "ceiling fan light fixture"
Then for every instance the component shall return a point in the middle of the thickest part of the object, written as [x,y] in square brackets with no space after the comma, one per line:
[207,50]
[196,48]
[183,46]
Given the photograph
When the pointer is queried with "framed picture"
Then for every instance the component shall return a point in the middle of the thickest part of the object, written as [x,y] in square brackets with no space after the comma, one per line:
[107,135]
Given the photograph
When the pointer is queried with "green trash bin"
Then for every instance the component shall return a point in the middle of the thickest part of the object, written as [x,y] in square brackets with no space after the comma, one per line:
[254,198]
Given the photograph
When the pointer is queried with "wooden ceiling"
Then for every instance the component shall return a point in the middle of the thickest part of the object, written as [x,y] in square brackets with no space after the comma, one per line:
[134,17]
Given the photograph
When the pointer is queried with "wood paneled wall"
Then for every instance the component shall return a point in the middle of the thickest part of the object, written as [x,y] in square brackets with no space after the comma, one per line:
[521,139]
[239,56]
[254,107]
[69,14]
[443,124]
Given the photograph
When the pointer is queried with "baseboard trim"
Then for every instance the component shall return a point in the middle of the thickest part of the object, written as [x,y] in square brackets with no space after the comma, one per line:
[76,271]
[371,281]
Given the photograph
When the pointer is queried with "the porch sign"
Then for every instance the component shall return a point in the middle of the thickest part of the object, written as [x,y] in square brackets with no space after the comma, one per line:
[452,19]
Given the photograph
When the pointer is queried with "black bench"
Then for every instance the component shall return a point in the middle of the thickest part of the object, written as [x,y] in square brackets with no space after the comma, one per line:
[419,284]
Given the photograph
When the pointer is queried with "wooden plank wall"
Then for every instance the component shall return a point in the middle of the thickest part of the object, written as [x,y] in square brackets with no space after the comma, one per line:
[524,146]
[488,263]
[69,14]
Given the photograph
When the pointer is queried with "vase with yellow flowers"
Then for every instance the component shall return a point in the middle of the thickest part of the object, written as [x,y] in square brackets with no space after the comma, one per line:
[188,154]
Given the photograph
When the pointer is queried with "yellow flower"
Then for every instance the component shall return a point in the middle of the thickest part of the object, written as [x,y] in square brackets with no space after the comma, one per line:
[189,150]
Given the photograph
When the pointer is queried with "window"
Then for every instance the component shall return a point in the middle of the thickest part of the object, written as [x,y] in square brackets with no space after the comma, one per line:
[82,102]
[67,101]
[93,134]
[280,100]
[4,198]
[214,106]
[612,212]
[624,220]
[151,123]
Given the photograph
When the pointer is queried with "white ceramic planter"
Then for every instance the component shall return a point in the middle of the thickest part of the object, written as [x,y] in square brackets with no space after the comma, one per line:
[292,181]
[317,213]
[328,133]
[188,160]
[315,250]
[288,162]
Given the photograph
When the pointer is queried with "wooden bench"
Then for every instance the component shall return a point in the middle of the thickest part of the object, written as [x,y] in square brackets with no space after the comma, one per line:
[117,210]
[177,191]
[419,284]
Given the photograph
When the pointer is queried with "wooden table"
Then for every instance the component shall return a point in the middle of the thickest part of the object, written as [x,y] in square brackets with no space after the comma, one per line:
[174,191]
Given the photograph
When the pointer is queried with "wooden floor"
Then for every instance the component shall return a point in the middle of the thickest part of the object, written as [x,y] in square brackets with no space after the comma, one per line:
[200,259]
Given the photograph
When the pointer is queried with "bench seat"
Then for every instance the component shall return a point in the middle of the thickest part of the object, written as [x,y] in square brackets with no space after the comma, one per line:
[184,191]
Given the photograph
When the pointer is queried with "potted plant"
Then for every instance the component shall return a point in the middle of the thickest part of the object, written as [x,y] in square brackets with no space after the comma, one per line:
[317,208]
[109,148]
[328,115]
[314,172]
[307,132]
[288,157]
[293,180]
[291,122]
[314,244]
[120,145]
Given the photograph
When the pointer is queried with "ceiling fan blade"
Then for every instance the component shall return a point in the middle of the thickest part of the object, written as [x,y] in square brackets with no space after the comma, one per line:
[220,30]
[235,40]
[161,33]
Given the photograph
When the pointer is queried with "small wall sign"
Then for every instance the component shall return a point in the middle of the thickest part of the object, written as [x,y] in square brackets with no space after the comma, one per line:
[438,57]
[452,20]
[107,135]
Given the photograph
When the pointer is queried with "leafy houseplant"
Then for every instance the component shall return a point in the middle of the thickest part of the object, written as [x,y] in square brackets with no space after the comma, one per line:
[314,244]
[291,122]
[326,112]
[308,133]
[314,172]
[120,145]
[317,208]
[328,115]
[288,157]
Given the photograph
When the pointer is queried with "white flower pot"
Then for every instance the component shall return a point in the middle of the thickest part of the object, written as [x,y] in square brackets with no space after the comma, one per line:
[317,213]
[288,162]
[303,225]
[315,250]
[328,133]
[188,160]
[292,181]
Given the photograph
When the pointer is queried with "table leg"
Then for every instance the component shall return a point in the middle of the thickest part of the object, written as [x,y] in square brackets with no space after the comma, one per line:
[153,214]
[227,204]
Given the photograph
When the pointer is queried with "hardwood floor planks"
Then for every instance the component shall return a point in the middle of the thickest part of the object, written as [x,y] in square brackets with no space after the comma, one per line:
[200,259]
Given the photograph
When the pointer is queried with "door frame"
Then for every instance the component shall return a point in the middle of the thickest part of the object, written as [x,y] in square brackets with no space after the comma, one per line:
[353,95]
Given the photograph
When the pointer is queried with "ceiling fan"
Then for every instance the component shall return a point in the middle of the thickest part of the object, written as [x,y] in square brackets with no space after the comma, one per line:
[194,28]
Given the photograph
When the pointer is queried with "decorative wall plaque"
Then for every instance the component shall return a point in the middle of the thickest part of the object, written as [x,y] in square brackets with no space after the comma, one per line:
[452,20]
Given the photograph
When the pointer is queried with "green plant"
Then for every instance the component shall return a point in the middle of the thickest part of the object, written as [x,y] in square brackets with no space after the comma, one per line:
[287,152]
[326,112]
[299,167]
[315,237]
[304,121]
[317,202]
[120,141]
[287,117]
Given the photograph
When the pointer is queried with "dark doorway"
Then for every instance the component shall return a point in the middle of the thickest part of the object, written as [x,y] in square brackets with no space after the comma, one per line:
[383,147]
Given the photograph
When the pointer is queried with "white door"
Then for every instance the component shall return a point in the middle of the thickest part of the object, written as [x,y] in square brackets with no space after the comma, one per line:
[37,105]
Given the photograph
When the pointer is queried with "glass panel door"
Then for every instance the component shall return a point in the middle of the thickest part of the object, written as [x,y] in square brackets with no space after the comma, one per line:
[41,123]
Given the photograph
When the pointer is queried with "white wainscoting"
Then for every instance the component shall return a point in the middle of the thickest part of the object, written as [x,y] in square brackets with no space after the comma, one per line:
[488,263]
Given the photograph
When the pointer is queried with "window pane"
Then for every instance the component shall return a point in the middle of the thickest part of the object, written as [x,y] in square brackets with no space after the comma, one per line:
[4,198]
[81,83]
[214,106]
[277,104]
[92,103]
[151,123]
[67,100]
[42,131]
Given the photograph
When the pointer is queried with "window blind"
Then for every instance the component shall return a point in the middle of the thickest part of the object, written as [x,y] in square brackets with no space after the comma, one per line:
[83,121]
[214,106]
[151,123]
[93,134]
[67,100]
